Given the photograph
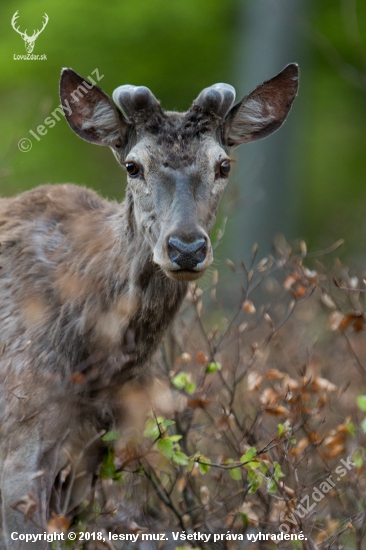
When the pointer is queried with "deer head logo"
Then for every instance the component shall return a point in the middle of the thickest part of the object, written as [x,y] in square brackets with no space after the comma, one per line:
[29,40]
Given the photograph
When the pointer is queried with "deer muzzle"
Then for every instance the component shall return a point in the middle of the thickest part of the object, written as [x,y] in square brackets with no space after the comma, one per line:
[184,257]
[187,256]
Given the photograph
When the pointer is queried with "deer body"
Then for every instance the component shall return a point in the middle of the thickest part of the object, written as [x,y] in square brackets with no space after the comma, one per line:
[88,287]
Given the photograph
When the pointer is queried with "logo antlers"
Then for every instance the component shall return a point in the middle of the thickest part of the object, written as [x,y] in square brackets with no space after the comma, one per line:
[29,40]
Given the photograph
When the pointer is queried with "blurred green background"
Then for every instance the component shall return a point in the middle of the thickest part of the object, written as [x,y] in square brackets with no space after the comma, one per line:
[315,184]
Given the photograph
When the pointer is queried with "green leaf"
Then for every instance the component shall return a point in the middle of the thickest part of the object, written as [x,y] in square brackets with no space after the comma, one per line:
[190,387]
[281,429]
[249,455]
[255,464]
[108,469]
[363,425]
[213,367]
[190,465]
[235,473]
[166,423]
[165,447]
[255,480]
[244,518]
[113,435]
[151,429]
[361,402]
[96,508]
[180,458]
[204,467]
[175,438]
[357,458]
[272,486]
[180,380]
[351,429]
[277,474]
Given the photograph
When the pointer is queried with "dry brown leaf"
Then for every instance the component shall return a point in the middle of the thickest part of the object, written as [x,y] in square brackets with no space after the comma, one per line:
[327,301]
[269,397]
[289,281]
[65,473]
[199,307]
[254,381]
[300,291]
[356,319]
[332,525]
[201,358]
[359,323]
[280,510]
[277,411]
[342,429]
[204,495]
[230,264]
[314,437]
[335,320]
[184,358]
[248,306]
[289,492]
[253,518]
[336,451]
[58,524]
[334,439]
[322,401]
[321,537]
[261,264]
[291,384]
[181,484]
[322,384]
[274,374]
[224,421]
[300,447]
[199,402]
[194,292]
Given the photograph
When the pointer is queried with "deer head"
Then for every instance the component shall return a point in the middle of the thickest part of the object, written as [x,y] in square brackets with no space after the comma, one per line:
[28,40]
[177,164]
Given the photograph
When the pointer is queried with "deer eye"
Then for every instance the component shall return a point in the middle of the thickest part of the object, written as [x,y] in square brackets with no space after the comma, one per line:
[132,169]
[225,168]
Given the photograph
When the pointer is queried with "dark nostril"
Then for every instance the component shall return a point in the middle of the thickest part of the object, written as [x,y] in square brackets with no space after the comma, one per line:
[187,255]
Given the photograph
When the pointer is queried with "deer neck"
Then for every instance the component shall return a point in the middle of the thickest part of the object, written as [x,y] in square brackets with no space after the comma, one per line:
[122,291]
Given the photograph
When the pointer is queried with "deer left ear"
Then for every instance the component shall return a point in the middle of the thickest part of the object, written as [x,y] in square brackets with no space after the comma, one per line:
[90,112]
[262,111]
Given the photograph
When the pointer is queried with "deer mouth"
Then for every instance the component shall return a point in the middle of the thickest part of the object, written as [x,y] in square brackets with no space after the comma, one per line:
[184,274]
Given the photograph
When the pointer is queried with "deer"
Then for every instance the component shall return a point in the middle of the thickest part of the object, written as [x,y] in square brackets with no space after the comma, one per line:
[88,287]
[29,41]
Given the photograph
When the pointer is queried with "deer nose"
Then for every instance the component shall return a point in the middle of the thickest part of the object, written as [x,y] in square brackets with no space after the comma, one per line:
[187,255]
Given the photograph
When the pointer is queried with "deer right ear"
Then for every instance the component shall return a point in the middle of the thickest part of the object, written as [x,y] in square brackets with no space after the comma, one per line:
[90,112]
[262,111]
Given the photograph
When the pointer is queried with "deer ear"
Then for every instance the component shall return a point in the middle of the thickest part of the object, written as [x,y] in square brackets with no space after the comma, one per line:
[262,111]
[90,112]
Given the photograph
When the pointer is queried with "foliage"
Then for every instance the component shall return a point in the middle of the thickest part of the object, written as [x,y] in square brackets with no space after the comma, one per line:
[266,442]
